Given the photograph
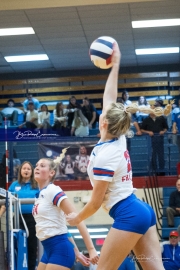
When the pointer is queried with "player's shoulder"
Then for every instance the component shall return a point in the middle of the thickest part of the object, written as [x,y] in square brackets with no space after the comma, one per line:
[52,188]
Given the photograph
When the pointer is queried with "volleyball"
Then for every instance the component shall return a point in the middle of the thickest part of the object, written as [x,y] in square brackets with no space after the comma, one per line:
[101,51]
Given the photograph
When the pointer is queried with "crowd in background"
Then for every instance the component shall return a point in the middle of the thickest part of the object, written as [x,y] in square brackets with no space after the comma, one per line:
[76,119]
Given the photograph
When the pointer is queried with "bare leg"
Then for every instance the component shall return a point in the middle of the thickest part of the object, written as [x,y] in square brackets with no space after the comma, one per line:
[43,266]
[148,247]
[116,247]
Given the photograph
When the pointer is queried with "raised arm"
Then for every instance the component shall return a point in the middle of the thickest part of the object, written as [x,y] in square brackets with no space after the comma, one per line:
[110,92]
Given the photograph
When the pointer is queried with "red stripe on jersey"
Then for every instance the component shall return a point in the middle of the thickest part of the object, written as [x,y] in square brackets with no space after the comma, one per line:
[103,172]
[57,197]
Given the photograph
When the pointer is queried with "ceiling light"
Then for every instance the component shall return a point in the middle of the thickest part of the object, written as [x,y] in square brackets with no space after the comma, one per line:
[92,236]
[23,58]
[157,51]
[16,31]
[155,23]
[89,230]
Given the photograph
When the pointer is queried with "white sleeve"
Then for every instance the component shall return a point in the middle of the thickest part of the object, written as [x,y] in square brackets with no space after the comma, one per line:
[106,163]
[56,194]
[40,118]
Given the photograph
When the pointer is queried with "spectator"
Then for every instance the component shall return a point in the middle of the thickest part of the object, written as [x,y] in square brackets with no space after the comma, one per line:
[81,163]
[125,98]
[174,205]
[44,118]
[80,125]
[26,187]
[176,129]
[90,113]
[10,112]
[170,252]
[60,120]
[176,107]
[141,115]
[156,127]
[31,117]
[30,99]
[71,106]
[158,102]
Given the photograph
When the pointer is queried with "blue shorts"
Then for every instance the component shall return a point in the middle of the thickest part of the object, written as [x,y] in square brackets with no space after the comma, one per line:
[133,215]
[58,250]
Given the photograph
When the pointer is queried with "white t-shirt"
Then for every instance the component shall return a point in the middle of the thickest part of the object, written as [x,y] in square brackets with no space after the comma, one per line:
[10,110]
[110,161]
[33,114]
[81,131]
[50,219]
[43,116]
[82,163]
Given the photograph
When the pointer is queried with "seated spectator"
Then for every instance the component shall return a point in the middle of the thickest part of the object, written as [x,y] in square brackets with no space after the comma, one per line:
[10,112]
[31,117]
[125,98]
[90,113]
[44,118]
[170,252]
[71,106]
[60,120]
[30,99]
[80,125]
[141,103]
[174,205]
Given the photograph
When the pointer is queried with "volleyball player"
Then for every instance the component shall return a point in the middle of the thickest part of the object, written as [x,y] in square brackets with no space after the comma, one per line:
[110,173]
[49,208]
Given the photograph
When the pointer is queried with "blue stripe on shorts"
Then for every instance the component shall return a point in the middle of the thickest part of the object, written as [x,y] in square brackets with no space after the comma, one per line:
[133,215]
[58,250]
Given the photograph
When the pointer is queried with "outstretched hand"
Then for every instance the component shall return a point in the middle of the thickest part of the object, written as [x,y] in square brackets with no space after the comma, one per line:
[116,55]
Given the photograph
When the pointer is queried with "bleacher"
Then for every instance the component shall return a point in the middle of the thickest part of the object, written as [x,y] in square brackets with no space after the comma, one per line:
[165,229]
[52,90]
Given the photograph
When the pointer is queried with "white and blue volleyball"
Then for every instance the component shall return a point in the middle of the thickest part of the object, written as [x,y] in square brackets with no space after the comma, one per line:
[101,52]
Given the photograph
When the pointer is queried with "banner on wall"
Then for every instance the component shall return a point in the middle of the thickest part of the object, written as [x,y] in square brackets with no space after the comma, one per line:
[75,158]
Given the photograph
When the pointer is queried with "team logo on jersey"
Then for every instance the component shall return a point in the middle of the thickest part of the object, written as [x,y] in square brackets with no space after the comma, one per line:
[35,209]
[127,157]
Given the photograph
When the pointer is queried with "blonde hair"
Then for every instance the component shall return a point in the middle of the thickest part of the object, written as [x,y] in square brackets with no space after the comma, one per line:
[119,116]
[78,118]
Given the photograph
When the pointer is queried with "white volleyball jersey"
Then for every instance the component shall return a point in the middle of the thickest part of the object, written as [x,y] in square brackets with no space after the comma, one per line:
[50,219]
[110,161]
[82,163]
